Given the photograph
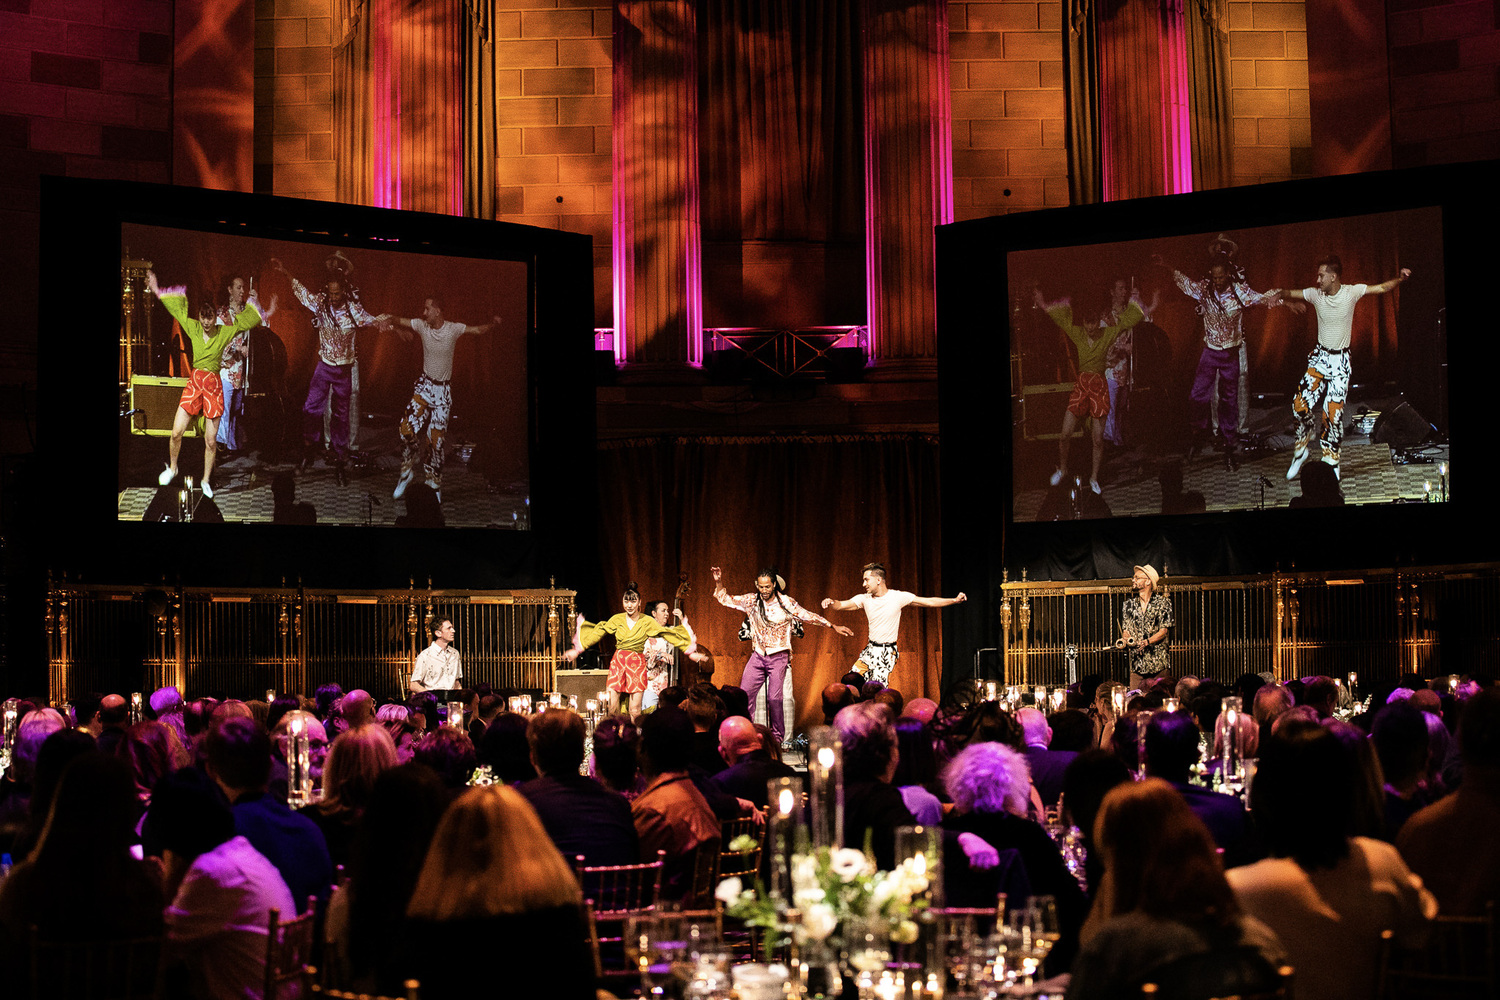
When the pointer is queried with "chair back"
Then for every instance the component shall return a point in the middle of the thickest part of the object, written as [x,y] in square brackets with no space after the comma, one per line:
[743,826]
[289,949]
[705,876]
[310,975]
[615,890]
[744,866]
[122,969]
[1459,960]
[1224,973]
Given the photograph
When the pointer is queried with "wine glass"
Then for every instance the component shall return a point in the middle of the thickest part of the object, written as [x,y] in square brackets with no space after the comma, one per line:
[1046,931]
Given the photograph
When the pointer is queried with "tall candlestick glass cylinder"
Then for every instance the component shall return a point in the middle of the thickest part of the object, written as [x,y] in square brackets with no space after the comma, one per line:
[783,823]
[825,774]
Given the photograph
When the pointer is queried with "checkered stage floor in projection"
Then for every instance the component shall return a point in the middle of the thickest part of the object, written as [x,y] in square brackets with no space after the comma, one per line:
[1130,480]
[242,490]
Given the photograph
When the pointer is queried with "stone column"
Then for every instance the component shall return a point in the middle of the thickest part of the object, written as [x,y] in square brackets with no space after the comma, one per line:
[908,176]
[658,243]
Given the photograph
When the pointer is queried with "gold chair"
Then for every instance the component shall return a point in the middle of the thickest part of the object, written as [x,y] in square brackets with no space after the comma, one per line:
[289,948]
[125,969]
[310,975]
[739,939]
[1458,961]
[1281,991]
[705,880]
[732,828]
[620,889]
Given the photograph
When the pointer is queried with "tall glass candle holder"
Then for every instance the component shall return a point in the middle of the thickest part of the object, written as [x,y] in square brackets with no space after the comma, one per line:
[991,690]
[298,764]
[782,823]
[135,707]
[270,695]
[825,772]
[1040,694]
[1170,705]
[1142,723]
[456,714]
[1117,701]
[1059,699]
[1230,712]
[10,723]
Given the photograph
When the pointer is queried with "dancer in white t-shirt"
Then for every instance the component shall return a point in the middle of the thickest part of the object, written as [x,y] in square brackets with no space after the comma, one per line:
[882,606]
[1325,386]
[425,421]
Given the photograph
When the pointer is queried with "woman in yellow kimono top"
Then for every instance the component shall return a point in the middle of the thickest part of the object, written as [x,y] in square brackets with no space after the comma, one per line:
[631,629]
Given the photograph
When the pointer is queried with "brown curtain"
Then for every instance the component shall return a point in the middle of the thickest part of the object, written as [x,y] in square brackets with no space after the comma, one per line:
[353,109]
[779,104]
[1207,23]
[819,509]
[1081,109]
[480,137]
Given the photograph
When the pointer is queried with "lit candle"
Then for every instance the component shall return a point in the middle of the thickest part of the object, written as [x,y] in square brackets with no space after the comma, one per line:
[135,706]
[785,797]
[1170,705]
[1117,700]
[1040,694]
[298,764]
[1232,706]
[554,699]
[591,706]
[456,714]
[990,690]
[825,770]
[270,695]
[526,704]
[10,724]
[1452,683]
[515,703]
[1059,699]
[1353,678]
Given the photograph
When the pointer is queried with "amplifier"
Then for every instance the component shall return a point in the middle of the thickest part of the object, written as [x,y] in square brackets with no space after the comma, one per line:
[585,684]
[157,396]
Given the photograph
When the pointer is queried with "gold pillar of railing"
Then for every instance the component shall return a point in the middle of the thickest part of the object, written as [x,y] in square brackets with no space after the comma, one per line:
[135,319]
[1024,620]
[1005,620]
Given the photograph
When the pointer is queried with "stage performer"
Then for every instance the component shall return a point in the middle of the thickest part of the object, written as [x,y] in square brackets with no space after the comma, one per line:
[337,315]
[425,421]
[882,607]
[772,614]
[631,629]
[204,392]
[660,659]
[1144,627]
[232,363]
[1326,383]
[438,667]
[1222,297]
[1090,396]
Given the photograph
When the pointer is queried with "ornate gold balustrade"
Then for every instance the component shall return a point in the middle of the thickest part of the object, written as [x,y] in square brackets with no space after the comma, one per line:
[241,642]
[1380,624]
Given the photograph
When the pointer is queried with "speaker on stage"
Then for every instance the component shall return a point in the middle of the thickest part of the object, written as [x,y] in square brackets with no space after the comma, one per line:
[585,684]
[155,397]
[1401,428]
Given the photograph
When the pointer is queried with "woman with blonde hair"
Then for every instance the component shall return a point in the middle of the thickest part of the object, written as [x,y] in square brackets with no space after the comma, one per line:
[494,884]
[1164,912]
[354,761]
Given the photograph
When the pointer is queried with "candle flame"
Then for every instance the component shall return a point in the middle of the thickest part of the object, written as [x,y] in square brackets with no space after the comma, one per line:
[785,801]
[825,757]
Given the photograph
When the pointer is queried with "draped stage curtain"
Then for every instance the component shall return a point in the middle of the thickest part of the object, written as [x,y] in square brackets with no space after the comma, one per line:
[1207,24]
[353,108]
[480,118]
[780,144]
[819,509]
[1081,109]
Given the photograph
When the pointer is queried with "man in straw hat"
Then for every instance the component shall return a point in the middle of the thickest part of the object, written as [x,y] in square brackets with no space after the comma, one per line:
[1144,626]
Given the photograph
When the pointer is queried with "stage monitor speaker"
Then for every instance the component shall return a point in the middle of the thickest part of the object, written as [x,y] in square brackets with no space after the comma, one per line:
[156,397]
[1401,428]
[585,684]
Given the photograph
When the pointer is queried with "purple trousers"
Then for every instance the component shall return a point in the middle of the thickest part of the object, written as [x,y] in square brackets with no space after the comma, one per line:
[326,378]
[1226,364]
[769,671]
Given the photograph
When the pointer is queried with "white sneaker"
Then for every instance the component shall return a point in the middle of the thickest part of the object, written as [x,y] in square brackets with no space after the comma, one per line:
[1331,461]
[401,485]
[208,490]
[167,475]
[1056,477]
[1298,458]
[1094,485]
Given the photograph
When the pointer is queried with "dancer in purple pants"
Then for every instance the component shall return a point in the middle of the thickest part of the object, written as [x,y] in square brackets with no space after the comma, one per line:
[772,614]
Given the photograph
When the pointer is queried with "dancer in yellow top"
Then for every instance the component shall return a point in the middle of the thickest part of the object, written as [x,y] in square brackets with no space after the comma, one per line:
[631,629]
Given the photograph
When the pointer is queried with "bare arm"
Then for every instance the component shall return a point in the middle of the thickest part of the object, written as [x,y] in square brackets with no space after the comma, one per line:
[837,605]
[493,324]
[938,602]
[1388,286]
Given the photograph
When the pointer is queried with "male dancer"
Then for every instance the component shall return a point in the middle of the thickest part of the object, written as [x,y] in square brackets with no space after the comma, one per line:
[1222,299]
[1326,383]
[882,606]
[1090,396]
[232,363]
[425,421]
[337,314]
[204,392]
[771,612]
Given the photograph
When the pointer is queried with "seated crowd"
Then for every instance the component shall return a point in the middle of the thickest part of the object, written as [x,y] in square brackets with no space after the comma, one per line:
[431,840]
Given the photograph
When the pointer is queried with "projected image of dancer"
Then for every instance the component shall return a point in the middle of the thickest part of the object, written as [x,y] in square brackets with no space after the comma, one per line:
[337,314]
[204,393]
[882,607]
[1090,395]
[232,362]
[773,615]
[1222,295]
[631,628]
[425,422]
[1325,386]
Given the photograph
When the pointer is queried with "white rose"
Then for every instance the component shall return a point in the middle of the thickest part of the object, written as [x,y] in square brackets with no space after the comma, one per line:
[884,890]
[819,921]
[847,863]
[807,897]
[729,890]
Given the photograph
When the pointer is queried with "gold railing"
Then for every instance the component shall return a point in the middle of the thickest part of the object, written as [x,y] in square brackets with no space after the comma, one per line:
[1379,624]
[241,642]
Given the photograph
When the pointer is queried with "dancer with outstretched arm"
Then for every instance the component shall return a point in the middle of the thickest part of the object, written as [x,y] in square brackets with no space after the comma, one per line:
[882,607]
[631,628]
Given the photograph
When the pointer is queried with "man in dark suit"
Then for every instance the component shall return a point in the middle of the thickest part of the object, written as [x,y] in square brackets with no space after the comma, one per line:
[750,765]
[1171,751]
[579,814]
[1047,765]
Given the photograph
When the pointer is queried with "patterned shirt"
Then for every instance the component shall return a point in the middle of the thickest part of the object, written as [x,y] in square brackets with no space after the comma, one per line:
[771,632]
[336,325]
[1143,622]
[438,668]
[1221,311]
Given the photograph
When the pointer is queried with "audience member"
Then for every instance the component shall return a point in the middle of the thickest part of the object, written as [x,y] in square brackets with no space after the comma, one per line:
[114,717]
[921,709]
[891,698]
[671,814]
[1072,731]
[750,765]
[449,751]
[1327,896]
[357,708]
[1088,779]
[151,750]
[356,758]
[616,745]
[1171,753]
[490,706]
[581,816]
[1165,913]
[873,807]
[704,707]
[505,749]
[917,772]
[1047,765]
[1400,739]
[836,696]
